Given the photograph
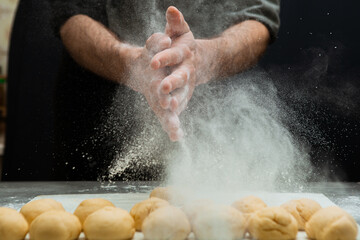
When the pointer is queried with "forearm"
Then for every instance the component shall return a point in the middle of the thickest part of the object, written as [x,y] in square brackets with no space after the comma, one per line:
[94,47]
[237,49]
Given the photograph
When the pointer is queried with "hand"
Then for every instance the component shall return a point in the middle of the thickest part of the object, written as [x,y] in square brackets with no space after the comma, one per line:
[147,81]
[180,59]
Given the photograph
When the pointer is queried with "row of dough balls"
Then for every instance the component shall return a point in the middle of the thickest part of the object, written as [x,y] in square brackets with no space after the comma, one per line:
[46,219]
[210,221]
[157,219]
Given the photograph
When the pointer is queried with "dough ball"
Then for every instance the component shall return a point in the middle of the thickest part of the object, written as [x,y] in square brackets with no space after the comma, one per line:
[272,223]
[173,195]
[194,208]
[302,210]
[109,223]
[142,209]
[219,222]
[162,193]
[331,223]
[89,206]
[34,208]
[249,205]
[13,225]
[166,223]
[55,225]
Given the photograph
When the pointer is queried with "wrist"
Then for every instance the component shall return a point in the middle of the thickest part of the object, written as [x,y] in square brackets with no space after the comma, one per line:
[131,56]
[206,60]
[123,57]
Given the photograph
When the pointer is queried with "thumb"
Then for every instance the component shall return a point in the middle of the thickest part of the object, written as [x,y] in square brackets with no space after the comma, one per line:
[176,24]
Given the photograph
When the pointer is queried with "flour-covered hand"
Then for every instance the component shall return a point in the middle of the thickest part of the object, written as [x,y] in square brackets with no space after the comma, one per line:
[180,59]
[146,80]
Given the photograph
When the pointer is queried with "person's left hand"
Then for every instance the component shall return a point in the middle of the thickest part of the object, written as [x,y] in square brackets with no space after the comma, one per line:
[180,59]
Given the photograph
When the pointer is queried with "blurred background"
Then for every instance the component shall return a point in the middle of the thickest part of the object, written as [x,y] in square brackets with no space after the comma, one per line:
[314,64]
[7,11]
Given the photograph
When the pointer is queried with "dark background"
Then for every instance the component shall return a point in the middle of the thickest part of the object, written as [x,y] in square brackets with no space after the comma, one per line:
[314,64]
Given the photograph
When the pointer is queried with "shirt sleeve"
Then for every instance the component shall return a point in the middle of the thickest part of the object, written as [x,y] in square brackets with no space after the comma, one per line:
[62,10]
[264,11]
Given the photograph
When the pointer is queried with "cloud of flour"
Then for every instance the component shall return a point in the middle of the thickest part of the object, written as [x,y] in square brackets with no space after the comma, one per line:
[237,131]
[237,138]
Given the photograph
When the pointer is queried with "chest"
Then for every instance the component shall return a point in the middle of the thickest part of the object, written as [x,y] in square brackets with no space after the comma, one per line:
[135,20]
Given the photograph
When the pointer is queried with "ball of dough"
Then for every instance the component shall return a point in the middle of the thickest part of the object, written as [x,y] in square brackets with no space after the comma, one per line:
[109,223]
[142,209]
[302,210]
[331,223]
[219,222]
[194,208]
[161,192]
[166,223]
[166,193]
[272,223]
[55,225]
[175,196]
[249,205]
[13,225]
[34,208]
[89,206]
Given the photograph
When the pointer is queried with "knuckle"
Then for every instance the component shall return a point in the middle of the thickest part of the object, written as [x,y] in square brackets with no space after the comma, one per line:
[148,42]
[191,54]
[176,57]
[178,76]
[187,51]
[165,43]
[167,123]
[158,34]
[191,69]
[184,76]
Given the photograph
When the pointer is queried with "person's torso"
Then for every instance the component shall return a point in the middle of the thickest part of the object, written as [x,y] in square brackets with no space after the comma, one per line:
[136,20]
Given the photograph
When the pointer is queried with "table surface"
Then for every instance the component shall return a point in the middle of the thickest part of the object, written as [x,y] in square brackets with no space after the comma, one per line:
[16,194]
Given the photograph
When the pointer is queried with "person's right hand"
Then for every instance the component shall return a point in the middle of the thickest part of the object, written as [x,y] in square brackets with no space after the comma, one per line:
[181,60]
[144,79]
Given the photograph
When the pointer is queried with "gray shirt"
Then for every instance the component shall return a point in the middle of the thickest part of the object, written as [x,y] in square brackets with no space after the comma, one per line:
[135,20]
[97,121]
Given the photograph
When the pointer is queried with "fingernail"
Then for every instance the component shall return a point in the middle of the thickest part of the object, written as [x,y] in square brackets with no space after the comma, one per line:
[166,88]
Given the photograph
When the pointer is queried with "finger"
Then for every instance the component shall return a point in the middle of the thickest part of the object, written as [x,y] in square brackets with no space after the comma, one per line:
[177,79]
[181,107]
[172,127]
[164,100]
[158,42]
[171,124]
[157,96]
[176,24]
[178,97]
[176,136]
[169,121]
[171,56]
